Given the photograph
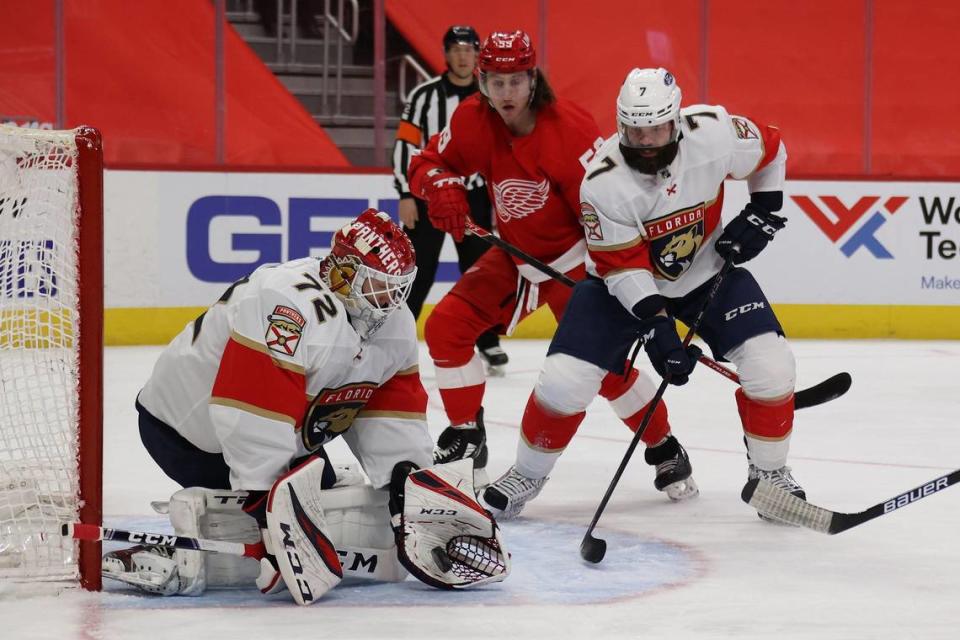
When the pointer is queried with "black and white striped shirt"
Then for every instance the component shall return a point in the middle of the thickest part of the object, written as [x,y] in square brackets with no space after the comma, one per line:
[427,111]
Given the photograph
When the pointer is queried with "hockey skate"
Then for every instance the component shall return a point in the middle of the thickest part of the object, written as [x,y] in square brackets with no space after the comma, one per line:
[467,440]
[674,472]
[781,478]
[495,359]
[507,496]
[150,569]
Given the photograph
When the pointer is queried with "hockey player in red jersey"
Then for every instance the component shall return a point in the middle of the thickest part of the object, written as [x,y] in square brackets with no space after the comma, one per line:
[246,396]
[651,203]
[531,148]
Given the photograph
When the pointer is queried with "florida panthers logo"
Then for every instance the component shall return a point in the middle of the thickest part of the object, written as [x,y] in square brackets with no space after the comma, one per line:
[517,199]
[675,240]
[333,411]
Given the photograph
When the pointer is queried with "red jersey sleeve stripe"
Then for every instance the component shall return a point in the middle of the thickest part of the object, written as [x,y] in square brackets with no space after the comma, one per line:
[771,145]
[250,377]
[401,394]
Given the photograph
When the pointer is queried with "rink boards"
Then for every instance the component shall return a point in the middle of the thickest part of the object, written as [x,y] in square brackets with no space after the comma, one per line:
[857,259]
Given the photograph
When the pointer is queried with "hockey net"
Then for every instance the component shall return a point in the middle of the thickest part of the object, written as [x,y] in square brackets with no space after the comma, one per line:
[51,309]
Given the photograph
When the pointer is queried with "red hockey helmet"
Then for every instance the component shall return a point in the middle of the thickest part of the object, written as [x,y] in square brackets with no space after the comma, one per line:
[371,268]
[507,52]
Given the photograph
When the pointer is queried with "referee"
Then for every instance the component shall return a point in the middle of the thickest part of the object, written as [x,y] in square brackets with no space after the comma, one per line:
[428,109]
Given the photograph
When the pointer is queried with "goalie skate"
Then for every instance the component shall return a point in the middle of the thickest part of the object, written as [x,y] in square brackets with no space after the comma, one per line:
[150,569]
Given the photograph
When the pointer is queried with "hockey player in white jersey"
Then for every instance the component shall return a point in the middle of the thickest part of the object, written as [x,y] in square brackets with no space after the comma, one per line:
[650,207]
[241,402]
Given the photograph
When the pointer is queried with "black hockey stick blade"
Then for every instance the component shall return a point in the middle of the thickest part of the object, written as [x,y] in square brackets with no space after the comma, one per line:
[593,549]
[781,504]
[830,389]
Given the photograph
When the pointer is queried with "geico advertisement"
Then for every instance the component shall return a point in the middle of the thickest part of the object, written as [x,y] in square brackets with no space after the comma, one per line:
[178,238]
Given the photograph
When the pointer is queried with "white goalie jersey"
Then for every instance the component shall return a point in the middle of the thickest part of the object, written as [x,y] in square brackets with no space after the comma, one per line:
[274,370]
[649,234]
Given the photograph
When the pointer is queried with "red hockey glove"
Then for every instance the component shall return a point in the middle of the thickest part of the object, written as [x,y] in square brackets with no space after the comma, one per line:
[447,204]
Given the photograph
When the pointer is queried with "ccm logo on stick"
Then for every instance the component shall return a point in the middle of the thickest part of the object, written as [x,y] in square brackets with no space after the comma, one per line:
[153,539]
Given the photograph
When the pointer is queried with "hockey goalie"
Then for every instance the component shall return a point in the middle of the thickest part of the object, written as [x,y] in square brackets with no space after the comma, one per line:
[241,403]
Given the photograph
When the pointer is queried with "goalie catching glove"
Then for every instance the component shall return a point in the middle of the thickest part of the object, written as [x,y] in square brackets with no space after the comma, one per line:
[444,537]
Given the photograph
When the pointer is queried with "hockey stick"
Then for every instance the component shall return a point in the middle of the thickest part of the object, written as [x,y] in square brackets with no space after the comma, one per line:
[830,389]
[93,533]
[785,506]
[593,549]
[362,563]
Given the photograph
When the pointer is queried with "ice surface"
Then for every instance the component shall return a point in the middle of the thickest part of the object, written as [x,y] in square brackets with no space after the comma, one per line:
[706,568]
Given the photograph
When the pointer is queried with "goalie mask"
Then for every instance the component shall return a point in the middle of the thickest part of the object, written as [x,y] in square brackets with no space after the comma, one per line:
[371,268]
[648,119]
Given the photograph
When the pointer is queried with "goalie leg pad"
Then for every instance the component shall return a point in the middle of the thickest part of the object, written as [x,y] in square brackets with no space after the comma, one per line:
[359,524]
[298,536]
[445,538]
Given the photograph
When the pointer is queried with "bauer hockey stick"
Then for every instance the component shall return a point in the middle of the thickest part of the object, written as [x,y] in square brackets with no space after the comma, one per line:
[93,533]
[783,505]
[593,549]
[825,391]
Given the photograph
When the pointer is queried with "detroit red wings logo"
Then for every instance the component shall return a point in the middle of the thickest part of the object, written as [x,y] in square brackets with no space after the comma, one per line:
[517,199]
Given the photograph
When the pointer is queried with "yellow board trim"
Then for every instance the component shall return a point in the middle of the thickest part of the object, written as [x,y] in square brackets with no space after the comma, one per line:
[128,326]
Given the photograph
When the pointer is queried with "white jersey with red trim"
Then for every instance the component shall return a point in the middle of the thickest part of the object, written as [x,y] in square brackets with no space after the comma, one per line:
[274,370]
[649,234]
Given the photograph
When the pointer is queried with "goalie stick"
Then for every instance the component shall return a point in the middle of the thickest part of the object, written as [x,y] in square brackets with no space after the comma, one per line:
[93,533]
[357,562]
[825,391]
[785,506]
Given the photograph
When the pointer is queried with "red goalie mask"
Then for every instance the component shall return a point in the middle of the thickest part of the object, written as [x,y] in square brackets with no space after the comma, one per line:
[371,268]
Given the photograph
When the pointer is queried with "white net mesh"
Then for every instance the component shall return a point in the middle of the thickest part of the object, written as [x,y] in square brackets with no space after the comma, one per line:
[39,481]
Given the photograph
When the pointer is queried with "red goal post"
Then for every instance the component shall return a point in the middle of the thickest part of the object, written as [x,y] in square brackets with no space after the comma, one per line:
[51,351]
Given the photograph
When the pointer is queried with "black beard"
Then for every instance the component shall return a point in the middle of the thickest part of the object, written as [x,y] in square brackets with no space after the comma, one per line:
[650,165]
